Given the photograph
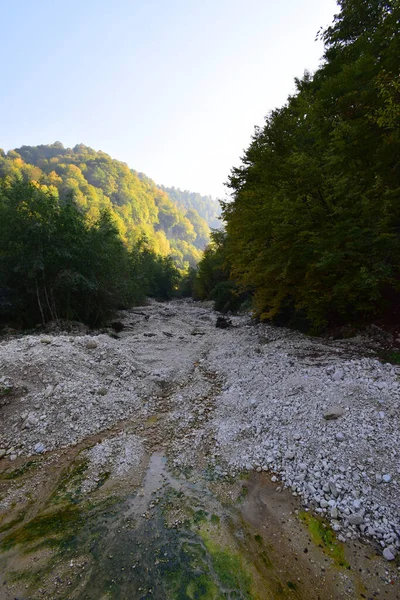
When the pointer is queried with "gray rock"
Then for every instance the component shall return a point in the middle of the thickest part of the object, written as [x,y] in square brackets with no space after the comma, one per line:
[338,375]
[39,448]
[388,554]
[355,519]
[289,455]
[386,478]
[91,345]
[334,512]
[334,412]
[3,452]
[333,489]
[340,437]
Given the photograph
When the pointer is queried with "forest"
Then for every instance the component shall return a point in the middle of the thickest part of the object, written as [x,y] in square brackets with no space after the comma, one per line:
[140,210]
[312,234]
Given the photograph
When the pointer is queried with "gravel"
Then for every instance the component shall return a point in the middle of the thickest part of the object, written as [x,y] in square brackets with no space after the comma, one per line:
[321,416]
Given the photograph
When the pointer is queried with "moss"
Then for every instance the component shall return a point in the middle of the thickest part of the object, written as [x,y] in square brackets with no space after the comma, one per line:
[69,487]
[18,519]
[215,520]
[323,536]
[229,567]
[202,587]
[52,528]
[200,516]
[7,475]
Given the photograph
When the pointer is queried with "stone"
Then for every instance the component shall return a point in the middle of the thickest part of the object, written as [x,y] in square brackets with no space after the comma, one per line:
[334,412]
[378,478]
[91,345]
[223,323]
[3,452]
[30,422]
[13,457]
[338,375]
[289,455]
[333,489]
[45,341]
[340,437]
[388,555]
[334,512]
[102,391]
[355,519]
[39,448]
[386,478]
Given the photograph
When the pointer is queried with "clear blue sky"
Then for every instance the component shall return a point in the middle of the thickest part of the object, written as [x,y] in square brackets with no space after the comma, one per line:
[173,88]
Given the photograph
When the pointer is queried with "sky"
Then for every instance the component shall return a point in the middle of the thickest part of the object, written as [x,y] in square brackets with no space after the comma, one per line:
[173,88]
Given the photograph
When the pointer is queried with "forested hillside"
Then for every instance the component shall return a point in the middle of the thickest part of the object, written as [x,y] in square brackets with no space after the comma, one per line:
[206,206]
[140,209]
[313,232]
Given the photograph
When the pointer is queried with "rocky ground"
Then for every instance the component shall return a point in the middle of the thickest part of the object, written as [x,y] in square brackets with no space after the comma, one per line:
[320,417]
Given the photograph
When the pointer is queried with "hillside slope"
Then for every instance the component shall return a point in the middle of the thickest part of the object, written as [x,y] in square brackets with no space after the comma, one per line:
[141,210]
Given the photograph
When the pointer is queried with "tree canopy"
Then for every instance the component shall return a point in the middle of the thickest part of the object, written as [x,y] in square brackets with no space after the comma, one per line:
[314,226]
[140,210]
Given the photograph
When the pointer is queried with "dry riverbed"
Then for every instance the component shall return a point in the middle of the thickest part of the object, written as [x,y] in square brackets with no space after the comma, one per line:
[177,460]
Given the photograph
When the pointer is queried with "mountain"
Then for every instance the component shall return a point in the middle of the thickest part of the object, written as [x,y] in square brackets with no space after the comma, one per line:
[206,206]
[140,209]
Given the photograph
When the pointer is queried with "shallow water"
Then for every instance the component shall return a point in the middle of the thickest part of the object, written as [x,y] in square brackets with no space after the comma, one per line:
[169,535]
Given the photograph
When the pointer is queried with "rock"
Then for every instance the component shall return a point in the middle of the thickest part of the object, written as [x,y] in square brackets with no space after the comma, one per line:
[102,391]
[45,341]
[289,455]
[378,478]
[91,345]
[338,375]
[334,412]
[223,323]
[323,503]
[355,519]
[39,448]
[30,422]
[13,457]
[386,478]
[340,437]
[297,437]
[3,452]
[388,554]
[334,512]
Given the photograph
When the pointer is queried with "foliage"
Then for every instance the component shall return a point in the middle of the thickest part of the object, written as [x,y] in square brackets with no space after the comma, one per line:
[213,276]
[55,264]
[137,206]
[206,206]
[314,225]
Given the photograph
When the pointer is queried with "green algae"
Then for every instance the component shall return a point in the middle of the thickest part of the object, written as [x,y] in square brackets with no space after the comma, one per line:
[51,528]
[323,536]
[16,473]
[10,524]
[70,483]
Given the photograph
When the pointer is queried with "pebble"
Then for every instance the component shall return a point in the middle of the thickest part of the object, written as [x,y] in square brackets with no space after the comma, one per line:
[340,436]
[386,478]
[39,448]
[3,452]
